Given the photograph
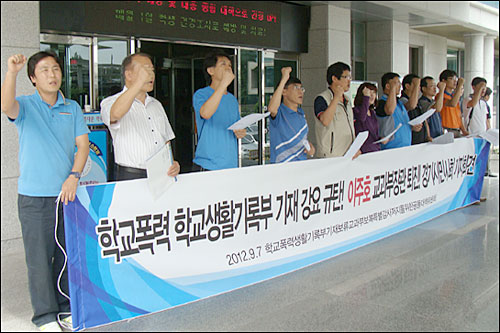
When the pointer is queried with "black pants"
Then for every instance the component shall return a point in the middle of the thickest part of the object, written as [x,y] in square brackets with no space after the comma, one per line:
[44,258]
[126,173]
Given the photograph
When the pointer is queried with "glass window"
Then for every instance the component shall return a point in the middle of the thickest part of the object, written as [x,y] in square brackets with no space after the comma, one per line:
[110,56]
[249,101]
[452,60]
[358,51]
[76,75]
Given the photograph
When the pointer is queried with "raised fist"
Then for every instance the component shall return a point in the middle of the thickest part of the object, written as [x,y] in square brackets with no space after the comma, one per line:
[15,63]
[441,85]
[227,77]
[367,91]
[285,72]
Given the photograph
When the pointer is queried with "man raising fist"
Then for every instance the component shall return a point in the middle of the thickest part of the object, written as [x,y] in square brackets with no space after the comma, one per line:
[49,127]
[216,109]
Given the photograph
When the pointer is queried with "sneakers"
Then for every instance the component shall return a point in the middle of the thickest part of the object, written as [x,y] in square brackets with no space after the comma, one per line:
[50,327]
[67,322]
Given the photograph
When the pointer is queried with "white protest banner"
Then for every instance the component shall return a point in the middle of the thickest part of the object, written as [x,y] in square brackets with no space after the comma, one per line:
[213,232]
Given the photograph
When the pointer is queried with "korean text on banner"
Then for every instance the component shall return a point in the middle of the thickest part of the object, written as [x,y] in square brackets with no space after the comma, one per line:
[213,232]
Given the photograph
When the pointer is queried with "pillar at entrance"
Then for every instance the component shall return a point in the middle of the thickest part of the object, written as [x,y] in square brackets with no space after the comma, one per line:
[474,59]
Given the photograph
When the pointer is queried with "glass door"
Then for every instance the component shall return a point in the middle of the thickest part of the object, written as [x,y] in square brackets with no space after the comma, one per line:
[249,88]
[75,54]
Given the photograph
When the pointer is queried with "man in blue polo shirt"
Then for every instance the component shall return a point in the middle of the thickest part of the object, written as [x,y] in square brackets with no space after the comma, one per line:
[391,112]
[288,127]
[49,128]
[216,109]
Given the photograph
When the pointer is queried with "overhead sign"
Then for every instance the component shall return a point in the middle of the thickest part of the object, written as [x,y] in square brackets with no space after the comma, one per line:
[213,232]
[251,23]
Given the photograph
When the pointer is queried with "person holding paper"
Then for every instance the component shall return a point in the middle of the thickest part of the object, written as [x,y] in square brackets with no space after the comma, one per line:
[334,120]
[217,109]
[364,116]
[409,97]
[288,127]
[137,122]
[391,113]
[50,129]
[431,98]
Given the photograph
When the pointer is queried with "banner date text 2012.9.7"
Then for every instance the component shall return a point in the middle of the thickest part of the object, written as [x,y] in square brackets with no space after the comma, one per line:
[243,256]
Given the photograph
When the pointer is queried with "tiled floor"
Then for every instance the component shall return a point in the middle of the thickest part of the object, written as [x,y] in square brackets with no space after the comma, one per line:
[439,276]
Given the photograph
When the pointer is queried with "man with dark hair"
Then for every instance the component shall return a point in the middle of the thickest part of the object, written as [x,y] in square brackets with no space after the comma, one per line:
[391,112]
[409,97]
[451,114]
[475,108]
[137,122]
[334,119]
[431,98]
[216,109]
[288,127]
[49,127]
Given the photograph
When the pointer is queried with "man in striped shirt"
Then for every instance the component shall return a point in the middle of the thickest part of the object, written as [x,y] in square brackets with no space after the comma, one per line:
[137,122]
[288,126]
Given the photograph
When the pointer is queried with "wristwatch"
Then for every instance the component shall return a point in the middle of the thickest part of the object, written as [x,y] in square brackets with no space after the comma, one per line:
[76,174]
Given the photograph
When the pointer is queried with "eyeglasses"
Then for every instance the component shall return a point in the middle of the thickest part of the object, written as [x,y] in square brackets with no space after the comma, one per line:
[346,77]
[300,88]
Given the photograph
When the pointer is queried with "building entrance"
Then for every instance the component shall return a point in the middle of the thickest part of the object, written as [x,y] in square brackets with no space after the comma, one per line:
[179,73]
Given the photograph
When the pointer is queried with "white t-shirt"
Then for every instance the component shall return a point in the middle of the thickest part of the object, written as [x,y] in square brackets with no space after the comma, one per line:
[475,123]
[139,133]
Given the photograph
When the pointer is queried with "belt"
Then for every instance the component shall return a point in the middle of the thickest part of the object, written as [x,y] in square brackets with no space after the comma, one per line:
[130,169]
[452,129]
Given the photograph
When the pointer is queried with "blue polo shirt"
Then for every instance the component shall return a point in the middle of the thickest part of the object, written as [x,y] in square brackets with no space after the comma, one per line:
[288,130]
[402,138]
[46,143]
[217,146]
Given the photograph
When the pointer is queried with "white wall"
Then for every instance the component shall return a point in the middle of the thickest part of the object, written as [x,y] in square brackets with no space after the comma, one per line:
[434,52]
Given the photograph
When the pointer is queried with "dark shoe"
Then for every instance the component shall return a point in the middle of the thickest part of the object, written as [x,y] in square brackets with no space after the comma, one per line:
[482,199]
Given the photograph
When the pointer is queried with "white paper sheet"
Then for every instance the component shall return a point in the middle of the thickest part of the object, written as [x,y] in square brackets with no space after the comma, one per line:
[444,139]
[491,136]
[157,168]
[248,120]
[422,118]
[389,136]
[356,145]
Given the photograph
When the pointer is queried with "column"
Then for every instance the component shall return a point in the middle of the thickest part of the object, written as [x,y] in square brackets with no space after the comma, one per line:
[474,59]
[25,39]
[388,44]
[329,42]
[489,71]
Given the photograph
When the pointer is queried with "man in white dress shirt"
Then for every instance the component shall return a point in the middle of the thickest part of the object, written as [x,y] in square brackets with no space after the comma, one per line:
[137,122]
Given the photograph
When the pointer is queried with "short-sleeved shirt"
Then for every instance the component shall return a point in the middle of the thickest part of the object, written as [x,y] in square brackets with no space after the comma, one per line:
[420,136]
[140,132]
[475,118]
[217,146]
[434,121]
[288,131]
[451,116]
[47,143]
[402,138]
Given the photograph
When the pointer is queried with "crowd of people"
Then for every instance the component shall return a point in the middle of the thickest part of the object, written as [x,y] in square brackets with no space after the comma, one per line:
[54,145]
